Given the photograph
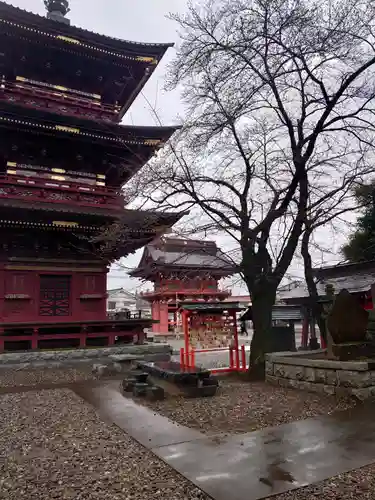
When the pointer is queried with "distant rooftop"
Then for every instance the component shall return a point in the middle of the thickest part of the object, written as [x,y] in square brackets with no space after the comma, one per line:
[354,277]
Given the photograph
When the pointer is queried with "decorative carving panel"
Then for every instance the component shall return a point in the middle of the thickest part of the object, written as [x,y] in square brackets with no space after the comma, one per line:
[58,196]
[54,295]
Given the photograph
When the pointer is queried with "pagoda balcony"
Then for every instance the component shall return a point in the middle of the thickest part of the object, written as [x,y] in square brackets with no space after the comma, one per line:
[48,191]
[17,336]
[58,100]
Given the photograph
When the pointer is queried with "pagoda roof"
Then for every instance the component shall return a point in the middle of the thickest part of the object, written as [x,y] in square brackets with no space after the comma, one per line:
[123,148]
[41,120]
[173,254]
[134,220]
[116,237]
[8,12]
[127,64]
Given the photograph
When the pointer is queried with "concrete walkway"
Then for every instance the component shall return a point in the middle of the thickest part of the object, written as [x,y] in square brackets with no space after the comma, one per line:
[254,465]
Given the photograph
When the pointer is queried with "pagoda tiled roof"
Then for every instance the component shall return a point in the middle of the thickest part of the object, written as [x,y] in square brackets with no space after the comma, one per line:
[126,148]
[186,259]
[106,68]
[178,254]
[116,133]
[137,220]
[37,21]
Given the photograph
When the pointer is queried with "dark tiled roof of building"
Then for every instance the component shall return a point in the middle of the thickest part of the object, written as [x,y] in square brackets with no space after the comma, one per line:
[356,278]
[179,254]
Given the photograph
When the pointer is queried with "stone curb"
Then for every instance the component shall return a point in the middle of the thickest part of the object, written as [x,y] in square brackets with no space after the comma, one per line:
[80,355]
[284,358]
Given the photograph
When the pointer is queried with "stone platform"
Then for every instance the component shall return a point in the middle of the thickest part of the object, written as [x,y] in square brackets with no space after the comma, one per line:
[313,372]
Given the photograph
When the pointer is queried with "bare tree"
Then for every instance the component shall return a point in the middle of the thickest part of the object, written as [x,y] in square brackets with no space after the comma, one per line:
[276,92]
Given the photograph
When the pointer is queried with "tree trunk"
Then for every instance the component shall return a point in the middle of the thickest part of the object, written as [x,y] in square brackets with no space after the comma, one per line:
[316,306]
[263,299]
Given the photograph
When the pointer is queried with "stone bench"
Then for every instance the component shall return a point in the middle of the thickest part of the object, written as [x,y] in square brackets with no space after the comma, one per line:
[195,382]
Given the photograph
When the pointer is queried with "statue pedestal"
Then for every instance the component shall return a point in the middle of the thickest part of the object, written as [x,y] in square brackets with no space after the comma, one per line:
[350,351]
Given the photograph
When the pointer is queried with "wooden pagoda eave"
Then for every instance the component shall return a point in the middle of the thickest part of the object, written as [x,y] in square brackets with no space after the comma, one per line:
[103,213]
[131,238]
[143,226]
[118,86]
[153,269]
[76,37]
[138,59]
[126,148]
[47,226]
[119,135]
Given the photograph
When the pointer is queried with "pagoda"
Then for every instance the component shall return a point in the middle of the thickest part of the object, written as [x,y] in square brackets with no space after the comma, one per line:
[183,272]
[64,159]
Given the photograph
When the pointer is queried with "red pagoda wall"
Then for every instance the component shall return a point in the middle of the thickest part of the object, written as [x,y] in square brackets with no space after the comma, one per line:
[160,313]
[20,295]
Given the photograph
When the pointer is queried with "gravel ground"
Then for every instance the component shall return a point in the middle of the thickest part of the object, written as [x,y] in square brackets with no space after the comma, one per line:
[358,484]
[11,377]
[246,406]
[54,446]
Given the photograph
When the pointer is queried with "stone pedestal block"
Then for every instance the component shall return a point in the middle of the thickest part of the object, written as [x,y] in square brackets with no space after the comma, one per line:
[350,351]
[140,389]
[155,393]
[128,384]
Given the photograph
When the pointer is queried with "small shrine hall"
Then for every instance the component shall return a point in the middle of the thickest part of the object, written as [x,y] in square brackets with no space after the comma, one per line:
[182,272]
[64,159]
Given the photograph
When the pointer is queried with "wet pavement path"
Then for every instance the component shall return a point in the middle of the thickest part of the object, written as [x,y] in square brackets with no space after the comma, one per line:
[145,426]
[254,465]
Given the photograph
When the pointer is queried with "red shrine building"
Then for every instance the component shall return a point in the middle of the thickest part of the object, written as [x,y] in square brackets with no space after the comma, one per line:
[64,159]
[183,272]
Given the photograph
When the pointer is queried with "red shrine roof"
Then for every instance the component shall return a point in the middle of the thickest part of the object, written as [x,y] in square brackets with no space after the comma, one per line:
[173,254]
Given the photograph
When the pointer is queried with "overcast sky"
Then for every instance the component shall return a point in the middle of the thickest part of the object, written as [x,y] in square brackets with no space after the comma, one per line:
[145,21]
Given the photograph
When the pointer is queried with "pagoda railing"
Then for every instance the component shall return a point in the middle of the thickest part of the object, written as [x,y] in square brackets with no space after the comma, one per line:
[44,335]
[63,101]
[47,191]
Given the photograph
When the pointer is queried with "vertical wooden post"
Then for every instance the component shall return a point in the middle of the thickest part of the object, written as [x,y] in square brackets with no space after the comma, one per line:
[2,340]
[231,360]
[34,338]
[235,334]
[243,356]
[111,336]
[82,338]
[182,357]
[141,337]
[192,357]
[186,335]
[156,316]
